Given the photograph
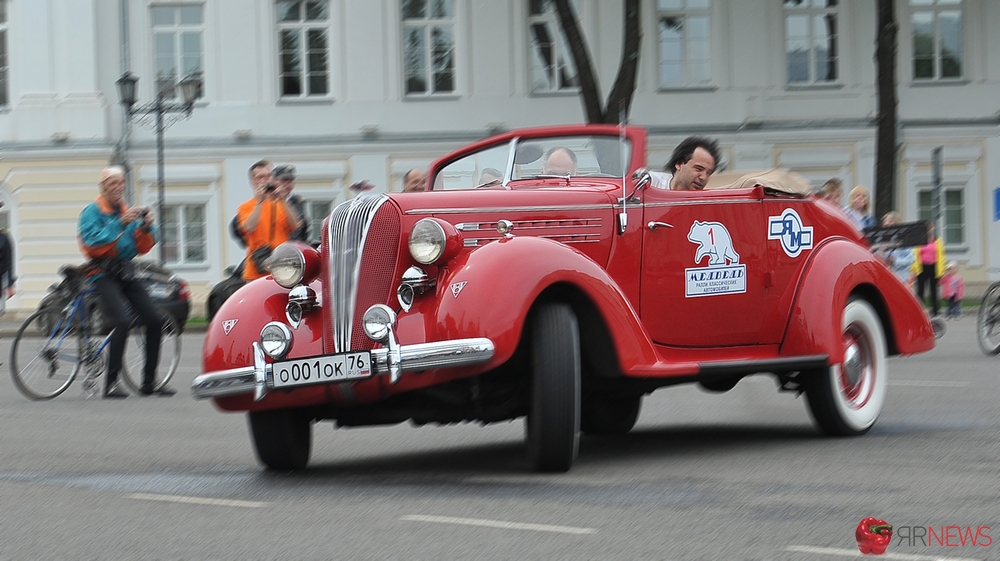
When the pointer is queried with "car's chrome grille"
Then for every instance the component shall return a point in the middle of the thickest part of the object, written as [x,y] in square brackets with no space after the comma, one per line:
[346,232]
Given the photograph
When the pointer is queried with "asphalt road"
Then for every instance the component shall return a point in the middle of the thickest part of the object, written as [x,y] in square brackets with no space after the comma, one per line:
[735,476]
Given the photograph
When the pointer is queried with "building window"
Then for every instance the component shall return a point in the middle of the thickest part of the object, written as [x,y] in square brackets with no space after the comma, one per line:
[812,41]
[183,235]
[303,39]
[4,96]
[937,39]
[685,42]
[316,213]
[178,48]
[428,47]
[550,63]
[952,213]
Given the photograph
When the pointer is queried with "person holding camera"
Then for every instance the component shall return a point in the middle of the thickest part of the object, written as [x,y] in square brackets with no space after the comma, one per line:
[265,221]
[111,234]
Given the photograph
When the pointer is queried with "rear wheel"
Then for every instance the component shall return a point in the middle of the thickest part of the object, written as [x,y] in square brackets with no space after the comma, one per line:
[615,415]
[846,399]
[134,359]
[988,322]
[553,425]
[282,438]
[45,355]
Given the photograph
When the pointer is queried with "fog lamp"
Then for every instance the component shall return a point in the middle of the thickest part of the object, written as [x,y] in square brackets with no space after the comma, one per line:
[276,340]
[378,322]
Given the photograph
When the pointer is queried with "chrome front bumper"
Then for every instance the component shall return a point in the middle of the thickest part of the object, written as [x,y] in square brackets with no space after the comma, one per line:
[257,379]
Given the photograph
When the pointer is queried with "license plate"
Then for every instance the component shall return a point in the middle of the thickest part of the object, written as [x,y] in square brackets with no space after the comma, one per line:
[158,291]
[322,369]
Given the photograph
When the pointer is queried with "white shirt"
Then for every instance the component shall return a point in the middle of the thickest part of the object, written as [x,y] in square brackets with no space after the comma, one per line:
[660,179]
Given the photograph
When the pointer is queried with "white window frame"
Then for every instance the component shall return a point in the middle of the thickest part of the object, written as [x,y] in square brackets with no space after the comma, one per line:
[936,8]
[812,14]
[4,56]
[562,57]
[686,10]
[177,30]
[427,24]
[316,221]
[303,27]
[181,242]
[925,212]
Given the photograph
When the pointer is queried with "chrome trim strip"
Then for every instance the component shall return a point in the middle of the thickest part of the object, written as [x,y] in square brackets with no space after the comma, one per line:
[412,358]
[347,232]
[700,202]
[474,242]
[521,225]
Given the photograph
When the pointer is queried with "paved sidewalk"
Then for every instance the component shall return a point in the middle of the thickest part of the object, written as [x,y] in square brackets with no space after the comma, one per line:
[9,327]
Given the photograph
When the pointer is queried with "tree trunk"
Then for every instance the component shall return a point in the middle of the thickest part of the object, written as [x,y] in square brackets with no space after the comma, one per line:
[620,98]
[887,149]
[589,88]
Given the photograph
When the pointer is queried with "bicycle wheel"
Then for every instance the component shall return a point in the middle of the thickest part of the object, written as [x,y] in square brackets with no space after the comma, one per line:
[134,359]
[45,355]
[988,322]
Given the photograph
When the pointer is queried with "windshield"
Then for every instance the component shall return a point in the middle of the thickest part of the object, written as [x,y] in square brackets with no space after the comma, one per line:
[531,158]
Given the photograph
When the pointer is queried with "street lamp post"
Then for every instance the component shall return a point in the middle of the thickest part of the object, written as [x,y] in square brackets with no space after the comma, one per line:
[157,109]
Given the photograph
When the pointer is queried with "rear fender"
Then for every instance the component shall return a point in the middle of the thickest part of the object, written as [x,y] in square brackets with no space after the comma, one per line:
[837,270]
[489,293]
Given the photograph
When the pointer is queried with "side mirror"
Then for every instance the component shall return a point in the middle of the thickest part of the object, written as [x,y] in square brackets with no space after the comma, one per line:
[642,179]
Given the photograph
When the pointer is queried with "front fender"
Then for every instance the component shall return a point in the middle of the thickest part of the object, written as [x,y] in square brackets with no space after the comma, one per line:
[489,293]
[836,270]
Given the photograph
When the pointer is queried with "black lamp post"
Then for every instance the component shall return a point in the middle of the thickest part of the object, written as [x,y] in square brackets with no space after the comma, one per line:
[157,109]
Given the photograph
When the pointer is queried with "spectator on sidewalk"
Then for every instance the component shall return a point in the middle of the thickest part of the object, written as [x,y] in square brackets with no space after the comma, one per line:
[952,290]
[7,276]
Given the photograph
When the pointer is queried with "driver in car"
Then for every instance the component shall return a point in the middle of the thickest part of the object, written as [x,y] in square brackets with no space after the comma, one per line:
[559,161]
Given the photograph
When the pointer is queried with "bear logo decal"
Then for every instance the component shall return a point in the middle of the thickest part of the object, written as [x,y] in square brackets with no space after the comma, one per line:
[714,241]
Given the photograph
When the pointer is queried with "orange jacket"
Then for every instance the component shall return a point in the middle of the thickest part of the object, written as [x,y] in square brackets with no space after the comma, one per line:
[273,229]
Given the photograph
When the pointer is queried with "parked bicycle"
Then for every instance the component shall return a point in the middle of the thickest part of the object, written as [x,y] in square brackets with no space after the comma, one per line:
[54,343]
[988,321]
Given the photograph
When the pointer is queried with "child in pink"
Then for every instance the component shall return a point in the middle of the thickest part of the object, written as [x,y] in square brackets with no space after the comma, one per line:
[952,290]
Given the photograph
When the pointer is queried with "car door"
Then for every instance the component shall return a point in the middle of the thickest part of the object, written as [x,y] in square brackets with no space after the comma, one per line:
[703,267]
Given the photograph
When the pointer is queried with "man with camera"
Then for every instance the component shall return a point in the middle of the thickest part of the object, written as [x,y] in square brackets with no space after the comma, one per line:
[111,234]
[265,221]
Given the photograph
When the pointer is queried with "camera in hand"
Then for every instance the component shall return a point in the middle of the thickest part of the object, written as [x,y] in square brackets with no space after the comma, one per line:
[270,187]
[144,213]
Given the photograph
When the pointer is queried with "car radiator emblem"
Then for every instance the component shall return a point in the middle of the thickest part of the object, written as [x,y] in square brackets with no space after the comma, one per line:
[228,325]
[457,287]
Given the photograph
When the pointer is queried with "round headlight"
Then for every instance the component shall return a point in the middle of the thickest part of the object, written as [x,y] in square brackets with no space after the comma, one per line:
[427,241]
[287,265]
[276,340]
[378,322]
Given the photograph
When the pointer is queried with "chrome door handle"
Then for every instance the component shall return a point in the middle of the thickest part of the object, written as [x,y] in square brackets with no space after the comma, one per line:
[652,225]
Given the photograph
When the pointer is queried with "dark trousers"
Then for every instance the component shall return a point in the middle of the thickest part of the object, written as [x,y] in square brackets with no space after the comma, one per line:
[115,293]
[926,278]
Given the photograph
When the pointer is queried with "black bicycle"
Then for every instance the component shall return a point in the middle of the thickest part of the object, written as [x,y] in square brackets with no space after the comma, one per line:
[54,343]
[988,321]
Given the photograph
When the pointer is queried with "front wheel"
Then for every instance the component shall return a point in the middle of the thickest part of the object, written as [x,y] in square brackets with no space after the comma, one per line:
[846,399]
[553,425]
[282,438]
[45,355]
[610,415]
[134,359]
[988,322]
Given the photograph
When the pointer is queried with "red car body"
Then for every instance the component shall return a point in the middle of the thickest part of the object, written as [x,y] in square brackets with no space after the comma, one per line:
[600,289]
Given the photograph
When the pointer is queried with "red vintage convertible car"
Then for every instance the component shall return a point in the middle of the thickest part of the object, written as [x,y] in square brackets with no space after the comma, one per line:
[503,292]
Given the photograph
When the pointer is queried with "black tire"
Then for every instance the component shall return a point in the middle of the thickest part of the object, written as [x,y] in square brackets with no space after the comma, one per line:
[553,425]
[43,362]
[988,322]
[282,438]
[608,416]
[846,399]
[134,357]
